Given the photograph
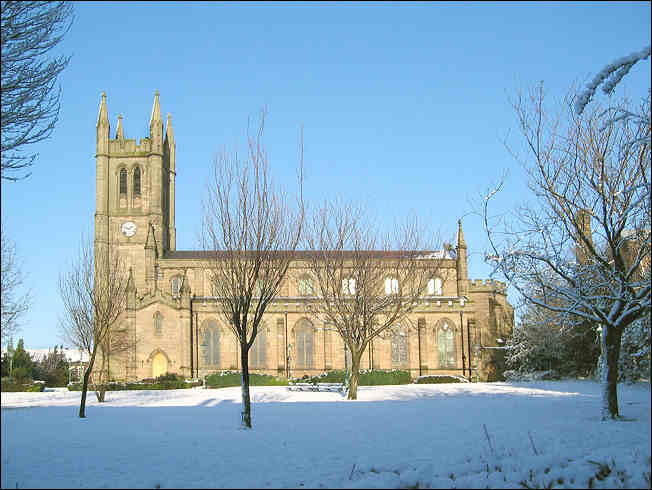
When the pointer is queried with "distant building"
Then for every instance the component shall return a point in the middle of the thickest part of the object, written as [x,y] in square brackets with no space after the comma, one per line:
[172,312]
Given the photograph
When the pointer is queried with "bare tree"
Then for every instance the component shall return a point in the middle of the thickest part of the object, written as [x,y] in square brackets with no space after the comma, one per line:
[583,245]
[30,102]
[14,304]
[365,283]
[251,231]
[117,346]
[93,291]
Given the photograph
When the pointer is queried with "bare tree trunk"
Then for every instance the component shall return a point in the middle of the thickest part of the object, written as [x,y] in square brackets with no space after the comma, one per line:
[87,376]
[355,376]
[100,390]
[611,338]
[246,400]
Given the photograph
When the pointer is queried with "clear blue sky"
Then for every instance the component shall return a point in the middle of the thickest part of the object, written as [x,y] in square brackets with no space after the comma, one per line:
[405,106]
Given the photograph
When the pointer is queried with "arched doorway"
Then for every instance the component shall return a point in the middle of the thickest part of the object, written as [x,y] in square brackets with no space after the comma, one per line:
[159,365]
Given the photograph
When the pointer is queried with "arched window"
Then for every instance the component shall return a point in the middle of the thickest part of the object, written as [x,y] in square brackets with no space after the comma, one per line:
[136,182]
[391,285]
[446,345]
[348,286]
[158,324]
[123,182]
[435,287]
[257,353]
[305,285]
[399,347]
[210,343]
[175,285]
[304,336]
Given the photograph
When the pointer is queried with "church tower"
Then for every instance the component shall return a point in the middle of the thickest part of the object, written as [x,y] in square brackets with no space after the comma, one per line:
[135,193]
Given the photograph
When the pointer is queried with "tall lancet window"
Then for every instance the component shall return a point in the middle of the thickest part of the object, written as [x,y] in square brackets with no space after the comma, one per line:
[446,346]
[137,182]
[123,182]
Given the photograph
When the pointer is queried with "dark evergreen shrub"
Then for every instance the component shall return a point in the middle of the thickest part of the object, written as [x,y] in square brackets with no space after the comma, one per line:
[437,379]
[367,378]
[230,378]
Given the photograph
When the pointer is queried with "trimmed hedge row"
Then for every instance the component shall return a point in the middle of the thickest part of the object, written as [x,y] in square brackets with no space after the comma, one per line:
[168,381]
[367,378]
[227,379]
[10,385]
[438,379]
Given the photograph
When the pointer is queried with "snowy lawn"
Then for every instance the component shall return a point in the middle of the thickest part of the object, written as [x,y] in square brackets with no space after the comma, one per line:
[393,436]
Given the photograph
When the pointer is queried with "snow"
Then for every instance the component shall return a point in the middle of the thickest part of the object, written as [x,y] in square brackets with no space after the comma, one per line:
[539,433]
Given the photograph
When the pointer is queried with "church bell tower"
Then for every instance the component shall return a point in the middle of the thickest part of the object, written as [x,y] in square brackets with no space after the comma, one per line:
[134,208]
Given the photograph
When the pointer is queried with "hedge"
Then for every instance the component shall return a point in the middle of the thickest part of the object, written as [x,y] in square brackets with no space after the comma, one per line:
[167,381]
[10,385]
[439,378]
[367,378]
[226,379]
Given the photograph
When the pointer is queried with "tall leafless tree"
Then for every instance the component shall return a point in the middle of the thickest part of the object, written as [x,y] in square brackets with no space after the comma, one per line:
[30,100]
[251,230]
[365,283]
[583,244]
[93,292]
[14,302]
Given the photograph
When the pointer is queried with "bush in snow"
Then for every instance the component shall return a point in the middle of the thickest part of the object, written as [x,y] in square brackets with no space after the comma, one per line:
[368,377]
[439,378]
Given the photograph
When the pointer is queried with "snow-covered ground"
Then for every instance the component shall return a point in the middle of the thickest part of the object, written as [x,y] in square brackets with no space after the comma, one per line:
[484,435]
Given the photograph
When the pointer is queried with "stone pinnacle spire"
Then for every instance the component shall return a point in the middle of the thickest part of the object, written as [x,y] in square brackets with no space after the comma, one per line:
[119,133]
[103,116]
[460,235]
[169,132]
[156,111]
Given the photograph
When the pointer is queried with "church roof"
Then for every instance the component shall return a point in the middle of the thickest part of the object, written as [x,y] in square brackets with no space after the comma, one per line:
[307,254]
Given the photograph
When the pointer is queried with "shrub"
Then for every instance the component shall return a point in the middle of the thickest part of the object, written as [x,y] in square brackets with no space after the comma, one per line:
[168,383]
[13,385]
[367,378]
[21,375]
[439,378]
[226,379]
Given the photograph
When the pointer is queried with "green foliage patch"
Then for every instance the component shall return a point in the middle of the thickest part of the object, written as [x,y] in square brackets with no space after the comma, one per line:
[367,377]
[169,381]
[437,379]
[15,385]
[226,379]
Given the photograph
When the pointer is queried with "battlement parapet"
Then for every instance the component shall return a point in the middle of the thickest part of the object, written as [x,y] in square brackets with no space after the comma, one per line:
[487,285]
[129,147]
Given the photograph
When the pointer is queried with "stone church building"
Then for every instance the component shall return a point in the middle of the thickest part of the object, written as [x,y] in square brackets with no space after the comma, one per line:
[457,328]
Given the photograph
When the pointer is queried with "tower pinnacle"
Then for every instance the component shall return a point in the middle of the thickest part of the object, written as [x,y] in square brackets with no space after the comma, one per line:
[103,117]
[156,111]
[119,133]
[460,235]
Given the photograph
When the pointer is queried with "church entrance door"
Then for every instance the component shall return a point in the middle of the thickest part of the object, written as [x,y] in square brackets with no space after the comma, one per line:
[159,365]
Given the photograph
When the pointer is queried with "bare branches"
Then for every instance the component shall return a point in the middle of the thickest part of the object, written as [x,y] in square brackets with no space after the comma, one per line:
[582,247]
[30,103]
[365,283]
[14,304]
[609,77]
[252,231]
[93,292]
[583,171]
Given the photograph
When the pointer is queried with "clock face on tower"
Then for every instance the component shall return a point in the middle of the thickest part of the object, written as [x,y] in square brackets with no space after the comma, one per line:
[128,228]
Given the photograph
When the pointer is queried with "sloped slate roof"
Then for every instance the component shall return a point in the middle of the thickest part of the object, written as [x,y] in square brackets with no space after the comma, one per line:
[307,254]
